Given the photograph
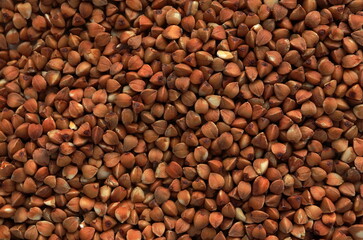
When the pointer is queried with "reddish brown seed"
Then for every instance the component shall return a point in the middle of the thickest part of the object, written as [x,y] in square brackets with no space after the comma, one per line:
[260,185]
[263,37]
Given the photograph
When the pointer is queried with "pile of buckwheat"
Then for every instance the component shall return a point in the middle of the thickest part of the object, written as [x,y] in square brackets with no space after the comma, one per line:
[181,120]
